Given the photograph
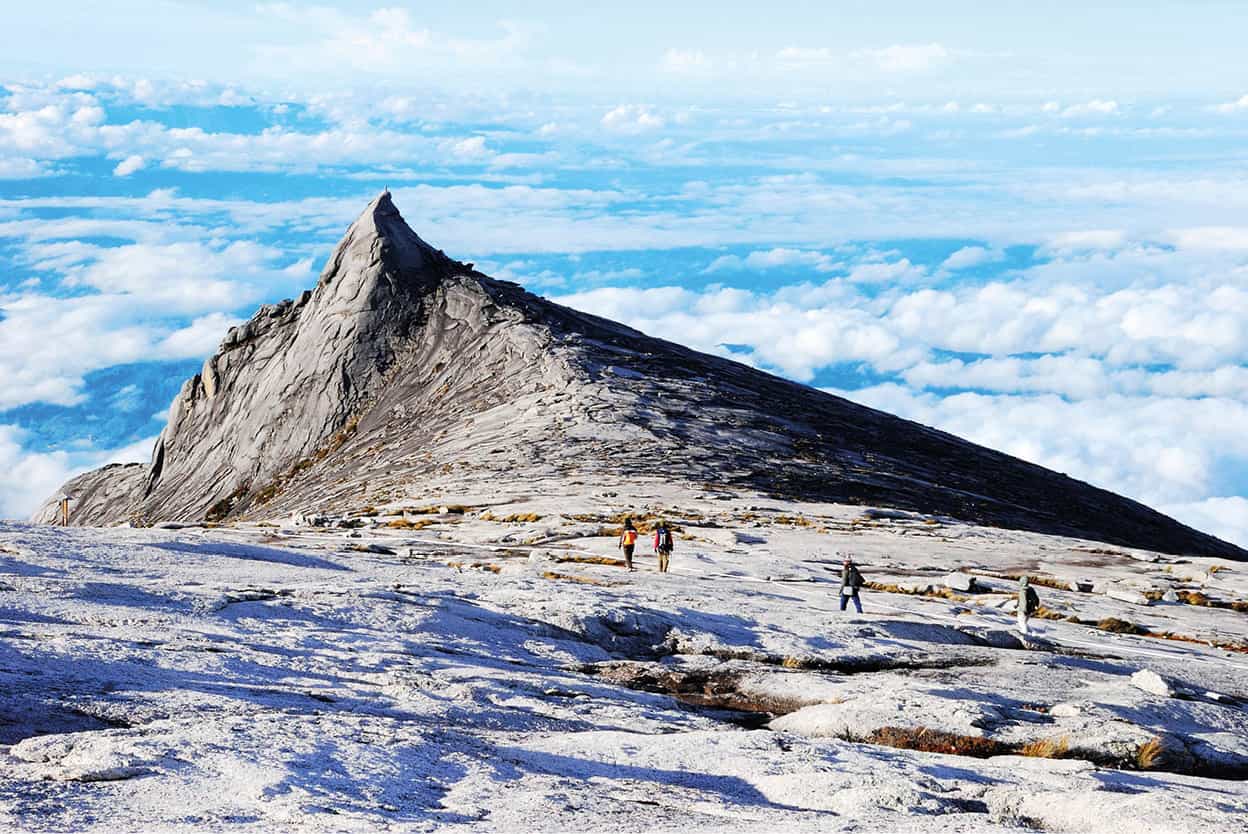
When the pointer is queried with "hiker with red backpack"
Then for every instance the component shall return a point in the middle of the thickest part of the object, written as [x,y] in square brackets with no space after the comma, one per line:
[628,542]
[663,545]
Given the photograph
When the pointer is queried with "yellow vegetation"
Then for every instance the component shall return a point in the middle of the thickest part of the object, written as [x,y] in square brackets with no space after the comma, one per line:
[1048,748]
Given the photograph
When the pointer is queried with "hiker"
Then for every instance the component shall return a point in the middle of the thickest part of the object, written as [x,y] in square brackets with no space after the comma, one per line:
[851,581]
[628,541]
[663,545]
[1028,602]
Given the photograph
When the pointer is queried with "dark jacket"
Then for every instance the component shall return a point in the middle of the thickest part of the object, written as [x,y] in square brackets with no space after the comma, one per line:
[1031,600]
[851,578]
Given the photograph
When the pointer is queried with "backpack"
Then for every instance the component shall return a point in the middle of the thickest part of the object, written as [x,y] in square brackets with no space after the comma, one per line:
[1033,600]
[663,539]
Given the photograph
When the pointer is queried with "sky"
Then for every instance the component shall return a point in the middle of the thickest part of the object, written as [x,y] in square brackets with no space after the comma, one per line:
[1024,225]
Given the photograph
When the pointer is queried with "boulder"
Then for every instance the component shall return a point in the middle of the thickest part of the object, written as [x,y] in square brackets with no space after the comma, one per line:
[959,582]
[1126,595]
[1150,681]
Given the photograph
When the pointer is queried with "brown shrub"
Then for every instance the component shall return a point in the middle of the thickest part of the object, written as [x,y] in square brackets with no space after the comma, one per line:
[405,524]
[1193,598]
[1149,754]
[591,560]
[936,741]
[1047,748]
[584,580]
[1118,626]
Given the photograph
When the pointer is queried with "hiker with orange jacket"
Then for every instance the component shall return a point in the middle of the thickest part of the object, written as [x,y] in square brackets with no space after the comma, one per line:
[628,542]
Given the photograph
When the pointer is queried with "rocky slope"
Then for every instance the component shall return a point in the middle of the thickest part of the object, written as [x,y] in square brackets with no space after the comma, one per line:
[405,372]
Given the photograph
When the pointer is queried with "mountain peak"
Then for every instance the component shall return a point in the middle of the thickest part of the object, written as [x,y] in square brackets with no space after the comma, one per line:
[405,372]
[380,239]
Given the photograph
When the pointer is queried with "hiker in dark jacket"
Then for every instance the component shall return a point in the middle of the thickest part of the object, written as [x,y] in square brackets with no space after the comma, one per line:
[851,581]
[628,541]
[1028,602]
[663,545]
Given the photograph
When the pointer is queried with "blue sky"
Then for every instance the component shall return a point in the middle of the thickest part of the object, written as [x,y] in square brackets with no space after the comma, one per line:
[1027,227]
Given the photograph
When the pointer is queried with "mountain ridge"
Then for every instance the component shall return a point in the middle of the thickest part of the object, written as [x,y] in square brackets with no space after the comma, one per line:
[404,368]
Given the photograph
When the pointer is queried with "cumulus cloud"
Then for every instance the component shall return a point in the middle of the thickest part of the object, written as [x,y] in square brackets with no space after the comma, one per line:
[1159,450]
[632,118]
[1239,105]
[686,62]
[1224,516]
[32,477]
[969,256]
[129,165]
[1094,107]
[906,57]
[773,258]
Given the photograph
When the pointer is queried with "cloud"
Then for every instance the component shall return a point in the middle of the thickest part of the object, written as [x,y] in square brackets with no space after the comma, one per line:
[632,119]
[1094,107]
[692,62]
[969,256]
[1239,105]
[31,477]
[1108,239]
[1161,451]
[21,168]
[1224,516]
[773,258]
[129,165]
[1234,238]
[906,58]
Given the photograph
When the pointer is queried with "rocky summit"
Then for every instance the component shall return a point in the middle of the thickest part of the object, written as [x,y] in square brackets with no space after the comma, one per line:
[405,371]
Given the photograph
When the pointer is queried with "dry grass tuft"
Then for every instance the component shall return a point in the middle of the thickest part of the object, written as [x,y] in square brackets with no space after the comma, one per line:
[1216,568]
[405,524]
[1043,613]
[936,741]
[568,577]
[1117,626]
[485,566]
[929,591]
[1043,581]
[1149,754]
[510,519]
[1193,598]
[592,560]
[1047,748]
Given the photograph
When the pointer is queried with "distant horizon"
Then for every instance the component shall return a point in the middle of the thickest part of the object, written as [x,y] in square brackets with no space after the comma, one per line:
[995,222]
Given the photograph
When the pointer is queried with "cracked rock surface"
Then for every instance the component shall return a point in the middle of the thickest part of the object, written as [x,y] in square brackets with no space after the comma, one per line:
[419,666]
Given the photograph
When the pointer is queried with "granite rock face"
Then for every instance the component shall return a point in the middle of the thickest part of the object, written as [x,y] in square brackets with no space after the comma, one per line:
[405,368]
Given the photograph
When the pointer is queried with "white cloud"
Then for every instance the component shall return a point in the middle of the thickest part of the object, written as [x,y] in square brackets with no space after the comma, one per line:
[773,258]
[887,272]
[1094,107]
[1234,238]
[906,58]
[21,168]
[1087,239]
[969,256]
[632,119]
[1239,105]
[686,62]
[1224,516]
[129,165]
[31,477]
[1158,450]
